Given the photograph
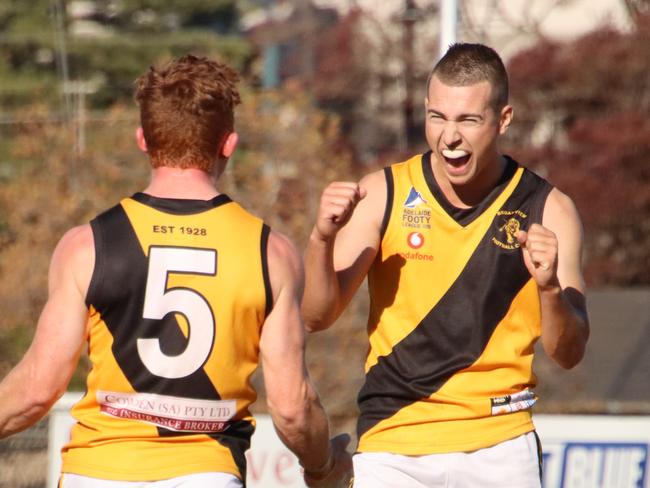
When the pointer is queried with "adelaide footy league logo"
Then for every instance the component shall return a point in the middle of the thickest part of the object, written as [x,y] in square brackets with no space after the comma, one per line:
[415,240]
[416,213]
[414,199]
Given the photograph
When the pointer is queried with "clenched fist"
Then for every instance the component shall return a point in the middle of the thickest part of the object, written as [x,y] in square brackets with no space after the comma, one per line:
[539,246]
[337,204]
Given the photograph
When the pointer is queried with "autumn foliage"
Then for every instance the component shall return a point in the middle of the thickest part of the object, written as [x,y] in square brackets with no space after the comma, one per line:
[583,120]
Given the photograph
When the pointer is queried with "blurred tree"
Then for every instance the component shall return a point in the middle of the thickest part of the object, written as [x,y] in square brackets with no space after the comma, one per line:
[165,15]
[46,42]
[583,119]
[26,52]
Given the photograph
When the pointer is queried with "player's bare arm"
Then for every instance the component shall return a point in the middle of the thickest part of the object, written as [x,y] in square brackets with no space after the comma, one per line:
[42,375]
[342,246]
[294,405]
[553,254]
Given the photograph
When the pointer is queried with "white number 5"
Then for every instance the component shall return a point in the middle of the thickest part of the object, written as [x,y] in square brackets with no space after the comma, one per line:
[158,302]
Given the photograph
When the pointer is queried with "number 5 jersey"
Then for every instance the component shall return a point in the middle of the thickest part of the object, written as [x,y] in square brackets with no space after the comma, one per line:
[176,302]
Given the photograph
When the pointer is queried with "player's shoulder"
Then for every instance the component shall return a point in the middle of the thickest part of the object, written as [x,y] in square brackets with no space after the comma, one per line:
[560,204]
[283,257]
[561,214]
[74,255]
[373,179]
[376,188]
[75,241]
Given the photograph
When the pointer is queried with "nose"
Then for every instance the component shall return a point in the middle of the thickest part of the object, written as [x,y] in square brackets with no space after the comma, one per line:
[450,135]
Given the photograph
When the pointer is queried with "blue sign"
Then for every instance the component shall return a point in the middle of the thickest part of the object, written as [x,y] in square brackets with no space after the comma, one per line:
[597,465]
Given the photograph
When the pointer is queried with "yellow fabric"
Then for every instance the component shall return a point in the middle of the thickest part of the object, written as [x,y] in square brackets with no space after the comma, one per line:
[111,447]
[406,282]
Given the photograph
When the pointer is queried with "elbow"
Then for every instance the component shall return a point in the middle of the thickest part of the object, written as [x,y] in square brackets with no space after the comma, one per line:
[316,325]
[44,390]
[33,407]
[290,413]
[288,419]
[567,346]
[318,322]
[40,402]
[567,361]
[568,356]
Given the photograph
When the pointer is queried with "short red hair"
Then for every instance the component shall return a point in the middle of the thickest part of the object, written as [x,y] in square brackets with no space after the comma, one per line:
[186,111]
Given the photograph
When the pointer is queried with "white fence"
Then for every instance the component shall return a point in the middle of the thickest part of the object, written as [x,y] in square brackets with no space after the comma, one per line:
[579,451]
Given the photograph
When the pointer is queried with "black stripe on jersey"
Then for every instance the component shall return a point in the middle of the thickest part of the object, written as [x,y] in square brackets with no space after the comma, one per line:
[390,192]
[181,206]
[453,335]
[538,204]
[465,216]
[117,292]
[238,440]
[264,244]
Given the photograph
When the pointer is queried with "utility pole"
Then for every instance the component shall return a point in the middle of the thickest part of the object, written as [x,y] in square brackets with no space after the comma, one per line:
[78,91]
[58,14]
[408,19]
[448,24]
[271,70]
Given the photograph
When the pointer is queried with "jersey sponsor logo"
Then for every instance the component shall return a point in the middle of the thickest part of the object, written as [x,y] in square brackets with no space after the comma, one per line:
[173,413]
[416,256]
[509,222]
[415,240]
[522,400]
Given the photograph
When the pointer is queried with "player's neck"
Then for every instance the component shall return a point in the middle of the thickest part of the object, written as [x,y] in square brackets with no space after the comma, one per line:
[189,183]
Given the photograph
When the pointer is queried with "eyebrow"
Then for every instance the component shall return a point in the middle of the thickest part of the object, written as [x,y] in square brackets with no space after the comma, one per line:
[460,117]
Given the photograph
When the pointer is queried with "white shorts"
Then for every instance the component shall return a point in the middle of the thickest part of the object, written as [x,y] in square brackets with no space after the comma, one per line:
[511,464]
[197,480]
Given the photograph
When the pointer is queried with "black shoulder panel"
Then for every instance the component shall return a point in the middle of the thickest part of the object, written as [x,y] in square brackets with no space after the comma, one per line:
[264,244]
[390,196]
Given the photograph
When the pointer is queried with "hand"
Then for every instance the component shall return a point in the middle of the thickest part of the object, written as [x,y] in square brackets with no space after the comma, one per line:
[338,469]
[337,204]
[539,247]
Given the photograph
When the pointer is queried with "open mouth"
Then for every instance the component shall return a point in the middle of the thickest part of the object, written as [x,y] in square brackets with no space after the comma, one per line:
[456,158]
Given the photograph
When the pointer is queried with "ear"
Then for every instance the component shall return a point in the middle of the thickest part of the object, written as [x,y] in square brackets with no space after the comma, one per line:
[505,118]
[229,144]
[139,137]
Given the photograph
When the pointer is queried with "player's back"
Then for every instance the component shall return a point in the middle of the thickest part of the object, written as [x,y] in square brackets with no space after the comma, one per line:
[177,299]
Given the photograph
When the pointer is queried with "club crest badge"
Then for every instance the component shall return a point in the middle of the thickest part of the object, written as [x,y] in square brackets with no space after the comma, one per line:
[508,223]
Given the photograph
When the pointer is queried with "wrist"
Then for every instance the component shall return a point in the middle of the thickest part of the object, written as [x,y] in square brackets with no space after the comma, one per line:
[320,472]
[550,289]
[318,237]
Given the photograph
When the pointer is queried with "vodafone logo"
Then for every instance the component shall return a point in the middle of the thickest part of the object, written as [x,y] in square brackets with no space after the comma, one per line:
[415,240]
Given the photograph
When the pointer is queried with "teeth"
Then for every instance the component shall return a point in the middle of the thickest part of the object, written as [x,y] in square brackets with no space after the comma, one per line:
[455,154]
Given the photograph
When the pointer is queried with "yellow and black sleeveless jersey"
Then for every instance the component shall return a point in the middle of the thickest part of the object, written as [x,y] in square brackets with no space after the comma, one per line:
[177,298]
[454,315]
